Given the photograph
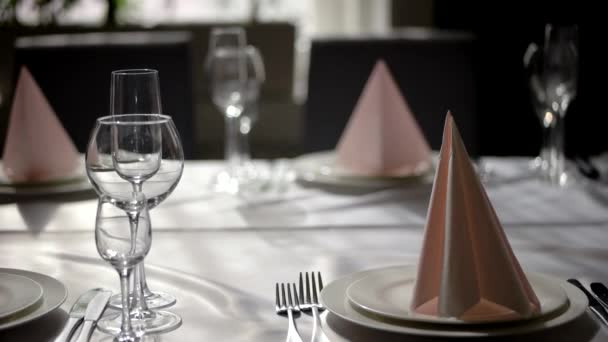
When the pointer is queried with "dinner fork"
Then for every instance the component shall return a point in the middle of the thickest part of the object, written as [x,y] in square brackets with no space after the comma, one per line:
[313,305]
[288,305]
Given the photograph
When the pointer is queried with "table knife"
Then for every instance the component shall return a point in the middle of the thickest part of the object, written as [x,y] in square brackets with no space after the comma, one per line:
[594,305]
[94,311]
[601,292]
[76,315]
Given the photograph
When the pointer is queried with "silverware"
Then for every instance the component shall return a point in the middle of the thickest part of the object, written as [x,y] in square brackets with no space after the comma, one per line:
[594,305]
[312,304]
[94,311]
[76,315]
[288,305]
[601,292]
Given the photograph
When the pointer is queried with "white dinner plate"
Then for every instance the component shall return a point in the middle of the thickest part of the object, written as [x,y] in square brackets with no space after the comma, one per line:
[54,294]
[388,292]
[335,300]
[17,293]
[321,168]
[75,182]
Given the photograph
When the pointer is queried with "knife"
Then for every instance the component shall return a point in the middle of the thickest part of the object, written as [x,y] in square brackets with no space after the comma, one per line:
[594,305]
[94,311]
[601,292]
[76,315]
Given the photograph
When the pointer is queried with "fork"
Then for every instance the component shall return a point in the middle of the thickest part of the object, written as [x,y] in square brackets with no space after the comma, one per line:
[288,305]
[312,304]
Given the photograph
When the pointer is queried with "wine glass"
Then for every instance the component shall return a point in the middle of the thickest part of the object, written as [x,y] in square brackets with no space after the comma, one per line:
[560,76]
[226,67]
[137,91]
[123,248]
[123,152]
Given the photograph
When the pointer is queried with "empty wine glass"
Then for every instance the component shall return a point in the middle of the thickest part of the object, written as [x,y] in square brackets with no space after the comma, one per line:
[226,67]
[124,150]
[123,248]
[137,91]
[553,76]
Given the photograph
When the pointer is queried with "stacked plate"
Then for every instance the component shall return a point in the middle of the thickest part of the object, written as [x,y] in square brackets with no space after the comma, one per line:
[380,299]
[75,182]
[321,168]
[25,296]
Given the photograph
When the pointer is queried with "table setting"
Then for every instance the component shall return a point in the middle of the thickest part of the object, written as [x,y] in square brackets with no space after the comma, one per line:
[381,238]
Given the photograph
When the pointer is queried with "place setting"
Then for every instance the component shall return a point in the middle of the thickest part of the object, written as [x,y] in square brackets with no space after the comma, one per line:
[47,165]
[468,282]
[382,144]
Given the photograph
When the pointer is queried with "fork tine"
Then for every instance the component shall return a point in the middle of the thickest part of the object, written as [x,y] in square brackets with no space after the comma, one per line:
[314,289]
[307,289]
[295,295]
[301,289]
[320,282]
[283,293]
[276,289]
[289,298]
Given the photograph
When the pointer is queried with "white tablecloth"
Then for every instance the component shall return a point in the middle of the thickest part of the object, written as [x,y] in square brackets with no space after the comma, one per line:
[221,255]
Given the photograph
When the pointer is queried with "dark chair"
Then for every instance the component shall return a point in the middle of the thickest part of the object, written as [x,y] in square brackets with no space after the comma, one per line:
[434,69]
[73,70]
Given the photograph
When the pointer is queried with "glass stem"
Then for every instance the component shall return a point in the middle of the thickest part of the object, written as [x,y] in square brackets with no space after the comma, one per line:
[244,129]
[232,147]
[544,154]
[125,327]
[140,307]
[557,157]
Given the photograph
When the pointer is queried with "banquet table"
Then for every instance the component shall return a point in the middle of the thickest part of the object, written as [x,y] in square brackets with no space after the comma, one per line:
[221,255]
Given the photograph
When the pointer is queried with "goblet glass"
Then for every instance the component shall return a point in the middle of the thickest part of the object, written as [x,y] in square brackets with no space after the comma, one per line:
[137,91]
[123,152]
[123,247]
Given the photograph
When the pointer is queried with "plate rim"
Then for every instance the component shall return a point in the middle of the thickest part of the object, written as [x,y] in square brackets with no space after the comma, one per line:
[576,307]
[31,302]
[452,321]
[314,176]
[55,294]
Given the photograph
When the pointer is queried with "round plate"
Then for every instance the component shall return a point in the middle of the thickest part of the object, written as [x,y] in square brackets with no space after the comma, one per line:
[320,168]
[334,298]
[17,293]
[54,291]
[387,292]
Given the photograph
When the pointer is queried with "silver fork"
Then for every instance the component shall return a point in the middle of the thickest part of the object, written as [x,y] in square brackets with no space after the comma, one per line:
[312,304]
[288,305]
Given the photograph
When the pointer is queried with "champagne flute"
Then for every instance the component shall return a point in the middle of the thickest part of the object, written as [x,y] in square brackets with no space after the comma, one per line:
[137,91]
[560,76]
[123,248]
[124,150]
[227,72]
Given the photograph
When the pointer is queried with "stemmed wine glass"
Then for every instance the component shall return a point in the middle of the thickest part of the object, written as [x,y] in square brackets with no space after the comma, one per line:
[226,67]
[123,247]
[134,154]
[554,85]
[137,91]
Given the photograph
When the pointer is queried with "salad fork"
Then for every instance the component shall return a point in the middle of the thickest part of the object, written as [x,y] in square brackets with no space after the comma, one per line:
[290,306]
[312,304]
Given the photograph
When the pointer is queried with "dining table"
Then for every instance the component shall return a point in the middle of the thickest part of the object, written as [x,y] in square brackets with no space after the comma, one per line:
[221,255]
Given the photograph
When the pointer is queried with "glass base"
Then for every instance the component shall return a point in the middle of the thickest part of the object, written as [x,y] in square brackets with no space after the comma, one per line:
[155,300]
[248,178]
[152,322]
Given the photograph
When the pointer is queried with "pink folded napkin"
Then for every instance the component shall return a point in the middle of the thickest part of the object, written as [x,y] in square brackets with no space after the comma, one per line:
[382,137]
[37,147]
[467,269]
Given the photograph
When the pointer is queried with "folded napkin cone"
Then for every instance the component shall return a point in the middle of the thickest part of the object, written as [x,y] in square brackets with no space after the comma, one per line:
[37,147]
[467,269]
[382,137]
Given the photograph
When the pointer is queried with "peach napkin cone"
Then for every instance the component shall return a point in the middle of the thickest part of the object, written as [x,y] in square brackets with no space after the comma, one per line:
[467,269]
[37,147]
[382,137]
